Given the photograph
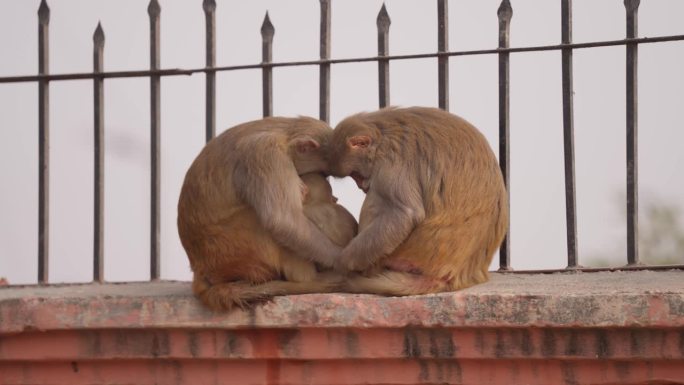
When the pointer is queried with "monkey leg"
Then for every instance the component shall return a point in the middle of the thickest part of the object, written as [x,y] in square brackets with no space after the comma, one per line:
[297,269]
[225,295]
[394,283]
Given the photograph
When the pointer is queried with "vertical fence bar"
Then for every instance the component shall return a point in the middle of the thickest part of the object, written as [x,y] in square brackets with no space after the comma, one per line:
[569,133]
[98,128]
[324,72]
[383,22]
[154,11]
[43,142]
[210,16]
[632,7]
[504,13]
[443,46]
[267,32]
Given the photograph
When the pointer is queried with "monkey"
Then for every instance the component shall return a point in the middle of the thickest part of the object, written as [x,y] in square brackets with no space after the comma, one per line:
[241,217]
[320,206]
[436,207]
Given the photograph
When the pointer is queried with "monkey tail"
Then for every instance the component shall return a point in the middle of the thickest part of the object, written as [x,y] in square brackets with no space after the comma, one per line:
[226,295]
[395,283]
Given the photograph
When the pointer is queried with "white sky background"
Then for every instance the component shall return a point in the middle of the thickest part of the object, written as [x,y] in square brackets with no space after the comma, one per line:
[538,205]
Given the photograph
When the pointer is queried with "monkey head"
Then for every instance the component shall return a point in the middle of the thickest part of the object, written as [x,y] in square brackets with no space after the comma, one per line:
[308,156]
[308,144]
[319,190]
[352,151]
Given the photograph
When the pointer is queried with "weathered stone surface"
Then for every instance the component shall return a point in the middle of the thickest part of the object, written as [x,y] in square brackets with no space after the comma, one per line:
[571,328]
[607,299]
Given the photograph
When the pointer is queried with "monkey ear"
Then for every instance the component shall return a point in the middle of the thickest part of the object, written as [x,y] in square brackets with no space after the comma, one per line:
[306,145]
[359,141]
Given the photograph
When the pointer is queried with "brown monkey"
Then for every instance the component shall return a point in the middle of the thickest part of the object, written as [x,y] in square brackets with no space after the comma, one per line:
[240,214]
[436,207]
[321,207]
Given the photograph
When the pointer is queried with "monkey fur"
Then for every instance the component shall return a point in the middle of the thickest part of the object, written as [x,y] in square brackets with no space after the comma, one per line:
[243,213]
[436,207]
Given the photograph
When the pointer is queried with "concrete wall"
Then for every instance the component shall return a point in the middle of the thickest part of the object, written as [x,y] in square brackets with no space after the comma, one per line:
[571,328]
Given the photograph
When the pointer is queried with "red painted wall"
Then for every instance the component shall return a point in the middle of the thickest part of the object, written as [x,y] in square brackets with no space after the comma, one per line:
[498,333]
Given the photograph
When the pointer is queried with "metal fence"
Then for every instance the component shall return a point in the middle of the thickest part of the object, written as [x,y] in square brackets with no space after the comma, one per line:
[155,73]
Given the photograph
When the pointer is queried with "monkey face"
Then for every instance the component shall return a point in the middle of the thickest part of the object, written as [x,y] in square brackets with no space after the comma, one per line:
[355,159]
[362,181]
[352,150]
[308,141]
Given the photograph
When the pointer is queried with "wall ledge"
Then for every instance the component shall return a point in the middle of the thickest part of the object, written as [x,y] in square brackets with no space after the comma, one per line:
[604,299]
[567,328]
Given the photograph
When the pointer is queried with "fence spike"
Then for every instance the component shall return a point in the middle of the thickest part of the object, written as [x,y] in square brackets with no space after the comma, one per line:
[383,19]
[153,9]
[98,36]
[505,11]
[209,6]
[632,5]
[43,13]
[267,29]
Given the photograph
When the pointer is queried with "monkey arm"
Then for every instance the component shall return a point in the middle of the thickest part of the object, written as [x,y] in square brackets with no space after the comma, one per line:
[295,231]
[392,209]
[268,182]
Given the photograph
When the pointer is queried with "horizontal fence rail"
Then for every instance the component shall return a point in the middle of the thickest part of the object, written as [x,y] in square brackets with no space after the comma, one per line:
[503,51]
[191,71]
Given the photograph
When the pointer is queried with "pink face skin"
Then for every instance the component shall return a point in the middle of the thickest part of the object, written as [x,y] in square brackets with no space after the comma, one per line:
[402,266]
[361,182]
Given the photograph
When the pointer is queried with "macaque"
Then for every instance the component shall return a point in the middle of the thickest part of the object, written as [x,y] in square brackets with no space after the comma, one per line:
[321,207]
[436,208]
[241,216]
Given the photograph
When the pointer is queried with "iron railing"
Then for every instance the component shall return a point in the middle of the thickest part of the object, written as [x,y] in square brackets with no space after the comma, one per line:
[155,73]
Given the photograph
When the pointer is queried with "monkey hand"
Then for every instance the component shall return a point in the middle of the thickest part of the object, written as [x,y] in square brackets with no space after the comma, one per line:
[330,258]
[347,263]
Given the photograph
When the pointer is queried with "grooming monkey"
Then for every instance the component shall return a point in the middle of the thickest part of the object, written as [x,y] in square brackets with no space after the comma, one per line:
[241,216]
[436,208]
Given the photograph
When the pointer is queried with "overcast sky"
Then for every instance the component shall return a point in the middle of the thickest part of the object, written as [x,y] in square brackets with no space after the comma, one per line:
[538,205]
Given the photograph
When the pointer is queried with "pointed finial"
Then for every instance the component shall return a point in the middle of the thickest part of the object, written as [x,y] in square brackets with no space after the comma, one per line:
[43,12]
[505,11]
[383,20]
[632,5]
[154,9]
[98,36]
[267,29]
[209,6]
